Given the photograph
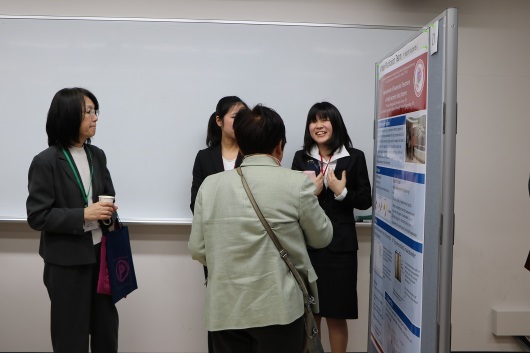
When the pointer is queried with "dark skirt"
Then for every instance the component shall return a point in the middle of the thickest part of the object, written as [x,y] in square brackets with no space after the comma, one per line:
[337,283]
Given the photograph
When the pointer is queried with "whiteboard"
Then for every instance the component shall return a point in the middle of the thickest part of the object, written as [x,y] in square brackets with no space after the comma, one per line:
[158,81]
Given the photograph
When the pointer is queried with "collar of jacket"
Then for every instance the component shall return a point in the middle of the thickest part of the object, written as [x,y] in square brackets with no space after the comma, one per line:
[259,159]
[339,153]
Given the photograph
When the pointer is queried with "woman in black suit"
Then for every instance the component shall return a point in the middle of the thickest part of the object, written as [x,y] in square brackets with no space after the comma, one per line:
[64,182]
[221,154]
[341,178]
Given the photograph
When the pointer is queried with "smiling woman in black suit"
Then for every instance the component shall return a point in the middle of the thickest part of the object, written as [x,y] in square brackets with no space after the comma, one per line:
[340,175]
[64,182]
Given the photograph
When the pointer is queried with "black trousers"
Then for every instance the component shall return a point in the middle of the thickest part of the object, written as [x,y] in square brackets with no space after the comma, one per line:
[78,312]
[268,339]
[210,344]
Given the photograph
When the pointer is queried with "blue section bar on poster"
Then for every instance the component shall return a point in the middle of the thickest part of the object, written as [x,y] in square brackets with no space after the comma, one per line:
[414,245]
[413,328]
[396,121]
[402,174]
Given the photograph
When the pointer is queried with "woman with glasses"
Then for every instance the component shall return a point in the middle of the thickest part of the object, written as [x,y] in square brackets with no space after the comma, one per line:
[64,182]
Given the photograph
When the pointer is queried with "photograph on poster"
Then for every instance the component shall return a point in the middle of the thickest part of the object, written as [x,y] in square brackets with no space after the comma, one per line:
[415,139]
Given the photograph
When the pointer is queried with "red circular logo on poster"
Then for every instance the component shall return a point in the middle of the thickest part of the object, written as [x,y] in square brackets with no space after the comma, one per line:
[419,77]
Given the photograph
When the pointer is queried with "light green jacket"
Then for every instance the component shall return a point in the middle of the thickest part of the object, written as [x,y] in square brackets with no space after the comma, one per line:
[249,285]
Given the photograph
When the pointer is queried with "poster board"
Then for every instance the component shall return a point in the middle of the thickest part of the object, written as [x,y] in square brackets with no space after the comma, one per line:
[415,129]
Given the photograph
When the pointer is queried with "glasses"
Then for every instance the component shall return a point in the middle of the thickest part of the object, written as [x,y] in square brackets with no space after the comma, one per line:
[91,111]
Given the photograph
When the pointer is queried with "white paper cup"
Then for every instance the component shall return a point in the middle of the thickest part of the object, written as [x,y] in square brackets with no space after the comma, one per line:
[106,198]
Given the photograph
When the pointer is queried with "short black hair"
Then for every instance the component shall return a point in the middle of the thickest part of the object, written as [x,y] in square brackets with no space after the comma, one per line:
[66,114]
[259,130]
[327,111]
[213,132]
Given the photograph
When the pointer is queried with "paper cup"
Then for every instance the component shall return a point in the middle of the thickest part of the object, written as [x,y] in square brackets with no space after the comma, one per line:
[105,198]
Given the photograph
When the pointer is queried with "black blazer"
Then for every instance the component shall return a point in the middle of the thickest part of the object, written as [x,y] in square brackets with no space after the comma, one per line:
[207,162]
[359,196]
[55,206]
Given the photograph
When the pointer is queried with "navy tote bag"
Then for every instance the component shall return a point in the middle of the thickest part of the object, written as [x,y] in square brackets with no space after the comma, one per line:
[120,262]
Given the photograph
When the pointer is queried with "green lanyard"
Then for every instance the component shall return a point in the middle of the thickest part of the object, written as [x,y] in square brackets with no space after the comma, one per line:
[79,182]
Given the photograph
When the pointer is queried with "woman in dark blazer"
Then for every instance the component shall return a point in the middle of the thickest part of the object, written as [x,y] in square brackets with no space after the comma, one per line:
[64,182]
[221,154]
[341,178]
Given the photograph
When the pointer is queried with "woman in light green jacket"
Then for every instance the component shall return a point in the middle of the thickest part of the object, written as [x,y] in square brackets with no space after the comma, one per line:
[253,303]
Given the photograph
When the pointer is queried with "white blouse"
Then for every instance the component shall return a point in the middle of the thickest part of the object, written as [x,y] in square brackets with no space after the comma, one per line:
[330,164]
[81,162]
[229,164]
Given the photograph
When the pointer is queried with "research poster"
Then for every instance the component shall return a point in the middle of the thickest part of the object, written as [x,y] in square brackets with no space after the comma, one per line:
[400,165]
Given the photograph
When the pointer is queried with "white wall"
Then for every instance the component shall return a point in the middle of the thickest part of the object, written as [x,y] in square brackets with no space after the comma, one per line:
[492,203]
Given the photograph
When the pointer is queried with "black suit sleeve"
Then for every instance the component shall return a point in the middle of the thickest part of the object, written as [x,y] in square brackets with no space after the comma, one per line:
[102,183]
[108,186]
[198,177]
[302,161]
[207,162]
[297,162]
[359,194]
[45,208]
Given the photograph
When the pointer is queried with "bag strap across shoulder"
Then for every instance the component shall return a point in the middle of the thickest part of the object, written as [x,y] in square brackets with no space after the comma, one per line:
[313,343]
[283,253]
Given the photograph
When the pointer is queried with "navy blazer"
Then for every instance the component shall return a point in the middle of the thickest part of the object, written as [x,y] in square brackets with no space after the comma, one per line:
[207,162]
[55,205]
[359,196]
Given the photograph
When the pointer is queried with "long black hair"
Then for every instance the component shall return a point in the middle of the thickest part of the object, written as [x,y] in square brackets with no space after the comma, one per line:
[327,111]
[214,133]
